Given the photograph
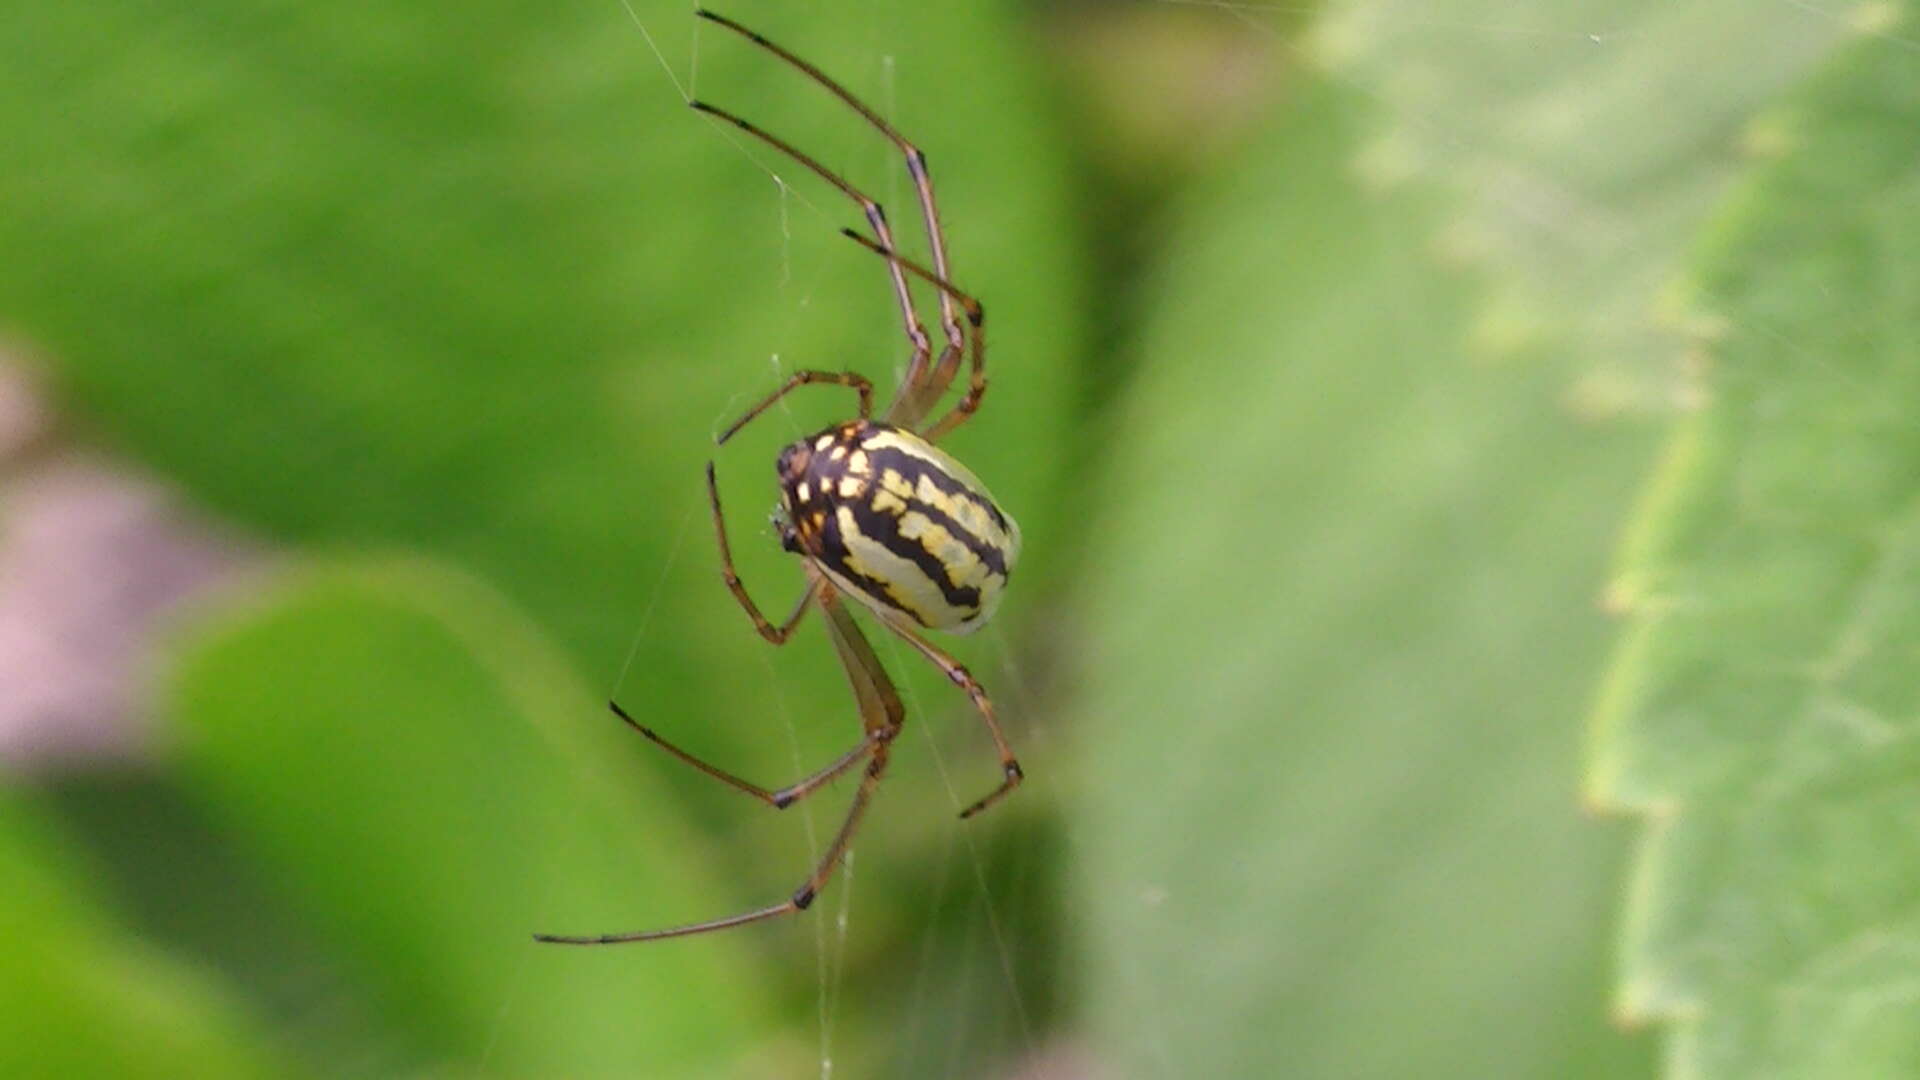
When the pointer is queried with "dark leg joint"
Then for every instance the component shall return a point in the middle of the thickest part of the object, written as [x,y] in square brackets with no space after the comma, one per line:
[701,106]
[1013,777]
[869,244]
[804,898]
[782,800]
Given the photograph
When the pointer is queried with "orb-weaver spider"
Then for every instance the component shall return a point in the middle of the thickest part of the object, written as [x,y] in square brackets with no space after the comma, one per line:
[877,514]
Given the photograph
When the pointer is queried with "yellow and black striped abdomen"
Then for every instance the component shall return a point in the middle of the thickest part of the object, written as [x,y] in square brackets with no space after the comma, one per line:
[899,524]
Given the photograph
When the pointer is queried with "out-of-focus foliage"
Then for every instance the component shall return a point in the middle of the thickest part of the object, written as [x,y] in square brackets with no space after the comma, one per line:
[80,995]
[443,305]
[1330,780]
[1586,139]
[457,804]
[1763,703]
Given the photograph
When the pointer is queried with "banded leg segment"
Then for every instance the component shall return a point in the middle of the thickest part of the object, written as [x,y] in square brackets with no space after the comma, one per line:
[901,412]
[876,219]
[776,635]
[802,897]
[1010,771]
[859,384]
[976,319]
[779,799]
[881,717]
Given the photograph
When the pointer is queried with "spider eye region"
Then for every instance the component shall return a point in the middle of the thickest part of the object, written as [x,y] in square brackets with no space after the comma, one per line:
[899,524]
[793,461]
[782,522]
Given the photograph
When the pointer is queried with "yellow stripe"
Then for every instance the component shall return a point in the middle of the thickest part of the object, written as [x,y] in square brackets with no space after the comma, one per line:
[978,521]
[901,577]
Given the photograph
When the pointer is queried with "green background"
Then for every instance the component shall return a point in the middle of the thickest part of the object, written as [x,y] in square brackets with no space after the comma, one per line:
[1378,385]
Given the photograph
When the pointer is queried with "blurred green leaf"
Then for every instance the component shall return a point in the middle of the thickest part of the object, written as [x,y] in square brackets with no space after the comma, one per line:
[1761,706]
[1587,140]
[1341,605]
[81,996]
[431,798]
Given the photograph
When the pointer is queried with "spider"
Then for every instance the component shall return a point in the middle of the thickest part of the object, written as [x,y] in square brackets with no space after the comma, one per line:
[877,514]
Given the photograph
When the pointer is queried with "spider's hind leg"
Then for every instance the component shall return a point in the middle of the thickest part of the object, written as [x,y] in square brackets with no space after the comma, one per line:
[1010,772]
[881,715]
[780,798]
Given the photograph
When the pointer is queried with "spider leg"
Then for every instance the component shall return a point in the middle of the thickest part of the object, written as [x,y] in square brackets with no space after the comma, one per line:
[1009,765]
[949,359]
[776,634]
[876,219]
[881,715]
[801,899]
[794,382]
[881,712]
[917,391]
[778,799]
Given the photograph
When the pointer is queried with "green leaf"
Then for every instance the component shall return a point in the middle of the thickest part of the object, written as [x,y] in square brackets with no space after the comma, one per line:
[1762,704]
[431,797]
[1340,605]
[81,996]
[1587,140]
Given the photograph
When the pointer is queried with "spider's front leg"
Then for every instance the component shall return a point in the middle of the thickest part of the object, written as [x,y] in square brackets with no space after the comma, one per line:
[881,715]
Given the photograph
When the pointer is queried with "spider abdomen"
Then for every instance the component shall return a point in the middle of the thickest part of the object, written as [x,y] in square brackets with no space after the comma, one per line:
[899,524]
